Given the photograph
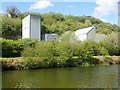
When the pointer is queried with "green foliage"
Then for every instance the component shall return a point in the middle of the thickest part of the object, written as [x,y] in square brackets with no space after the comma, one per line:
[103,51]
[13,48]
[54,53]
[58,23]
[58,17]
[111,44]
[26,42]
[42,49]
[107,28]
[72,63]
[59,53]
[33,63]
[88,22]
[54,23]
[86,52]
[13,11]
[6,66]
[63,50]
[11,27]
[68,36]
[24,14]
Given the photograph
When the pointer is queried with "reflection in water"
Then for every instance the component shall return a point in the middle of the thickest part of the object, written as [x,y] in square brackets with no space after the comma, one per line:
[72,77]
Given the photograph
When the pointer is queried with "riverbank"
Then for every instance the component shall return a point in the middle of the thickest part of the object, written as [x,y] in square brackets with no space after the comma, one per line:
[35,63]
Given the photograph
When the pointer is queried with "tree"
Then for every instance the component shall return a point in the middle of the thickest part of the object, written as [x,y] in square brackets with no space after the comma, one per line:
[11,27]
[13,11]
[58,17]
[111,43]
[88,23]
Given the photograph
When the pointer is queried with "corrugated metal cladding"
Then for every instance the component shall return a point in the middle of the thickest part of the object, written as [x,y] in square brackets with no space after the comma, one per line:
[33,25]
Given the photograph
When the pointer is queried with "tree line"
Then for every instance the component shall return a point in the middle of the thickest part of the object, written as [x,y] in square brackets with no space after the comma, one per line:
[51,23]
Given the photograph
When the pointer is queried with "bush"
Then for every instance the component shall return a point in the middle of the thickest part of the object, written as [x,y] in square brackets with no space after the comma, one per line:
[84,50]
[6,65]
[64,50]
[57,62]
[54,53]
[13,48]
[111,44]
[33,63]
[86,53]
[71,63]
[103,51]
[11,27]
[42,49]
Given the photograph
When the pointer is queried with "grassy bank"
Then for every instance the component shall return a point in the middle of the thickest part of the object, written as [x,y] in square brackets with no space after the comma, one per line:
[21,63]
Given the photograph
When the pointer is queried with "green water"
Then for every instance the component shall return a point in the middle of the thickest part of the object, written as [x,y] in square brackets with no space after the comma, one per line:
[71,77]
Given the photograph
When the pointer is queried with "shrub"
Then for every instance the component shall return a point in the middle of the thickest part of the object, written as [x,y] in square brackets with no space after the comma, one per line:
[13,48]
[28,52]
[85,51]
[11,27]
[103,51]
[27,42]
[57,62]
[64,50]
[72,63]
[7,48]
[42,49]
[33,63]
[6,65]
[111,44]
[76,47]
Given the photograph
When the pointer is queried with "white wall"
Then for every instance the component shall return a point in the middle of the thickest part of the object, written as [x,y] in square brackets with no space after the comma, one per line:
[88,34]
[81,37]
[26,27]
[91,35]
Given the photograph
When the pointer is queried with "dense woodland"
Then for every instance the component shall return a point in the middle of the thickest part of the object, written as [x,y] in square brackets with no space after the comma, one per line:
[51,22]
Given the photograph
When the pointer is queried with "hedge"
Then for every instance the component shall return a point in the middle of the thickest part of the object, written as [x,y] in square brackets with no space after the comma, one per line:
[13,48]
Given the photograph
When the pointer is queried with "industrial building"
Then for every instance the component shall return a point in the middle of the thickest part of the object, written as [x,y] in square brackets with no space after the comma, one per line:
[89,34]
[31,28]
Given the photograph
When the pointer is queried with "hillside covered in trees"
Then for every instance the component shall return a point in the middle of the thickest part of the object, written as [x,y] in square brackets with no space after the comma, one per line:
[53,23]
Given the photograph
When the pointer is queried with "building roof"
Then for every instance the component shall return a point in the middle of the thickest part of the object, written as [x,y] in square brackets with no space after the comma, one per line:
[84,30]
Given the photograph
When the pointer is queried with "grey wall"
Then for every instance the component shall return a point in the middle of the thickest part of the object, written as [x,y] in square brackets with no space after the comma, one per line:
[91,34]
[51,36]
[99,37]
[35,29]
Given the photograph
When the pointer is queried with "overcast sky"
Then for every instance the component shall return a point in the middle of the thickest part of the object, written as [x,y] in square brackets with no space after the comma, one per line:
[106,10]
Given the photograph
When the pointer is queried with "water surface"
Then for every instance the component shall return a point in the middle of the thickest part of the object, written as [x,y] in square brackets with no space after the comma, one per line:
[70,77]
